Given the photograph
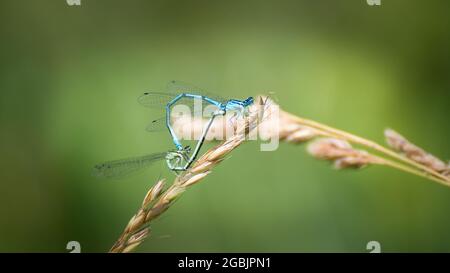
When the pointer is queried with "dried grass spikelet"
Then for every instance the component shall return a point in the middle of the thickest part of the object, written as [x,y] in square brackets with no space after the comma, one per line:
[413,152]
[153,193]
[341,153]
[344,156]
[134,233]
[157,200]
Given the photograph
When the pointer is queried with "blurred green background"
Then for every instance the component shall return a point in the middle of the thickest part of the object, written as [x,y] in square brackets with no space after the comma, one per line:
[70,76]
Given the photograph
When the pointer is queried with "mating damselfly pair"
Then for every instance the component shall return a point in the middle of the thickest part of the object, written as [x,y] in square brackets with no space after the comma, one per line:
[182,157]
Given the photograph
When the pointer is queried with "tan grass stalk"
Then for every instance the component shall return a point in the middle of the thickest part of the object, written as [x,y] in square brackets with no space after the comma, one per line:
[339,134]
[406,157]
[344,156]
[158,200]
[341,153]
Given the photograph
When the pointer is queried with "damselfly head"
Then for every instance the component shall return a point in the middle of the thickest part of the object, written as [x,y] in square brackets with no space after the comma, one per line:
[248,101]
[176,160]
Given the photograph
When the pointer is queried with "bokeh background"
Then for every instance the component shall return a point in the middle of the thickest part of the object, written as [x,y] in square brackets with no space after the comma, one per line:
[70,76]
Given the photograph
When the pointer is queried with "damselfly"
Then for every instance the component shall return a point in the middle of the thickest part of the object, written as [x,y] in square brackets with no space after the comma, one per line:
[183,93]
[181,158]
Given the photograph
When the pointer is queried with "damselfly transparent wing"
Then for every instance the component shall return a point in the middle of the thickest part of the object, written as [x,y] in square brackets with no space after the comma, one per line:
[159,100]
[157,125]
[123,167]
[179,87]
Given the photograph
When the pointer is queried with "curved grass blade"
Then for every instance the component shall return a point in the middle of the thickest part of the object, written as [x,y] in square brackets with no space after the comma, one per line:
[123,167]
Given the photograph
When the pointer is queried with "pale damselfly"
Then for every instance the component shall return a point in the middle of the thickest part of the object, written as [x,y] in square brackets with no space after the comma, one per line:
[180,159]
